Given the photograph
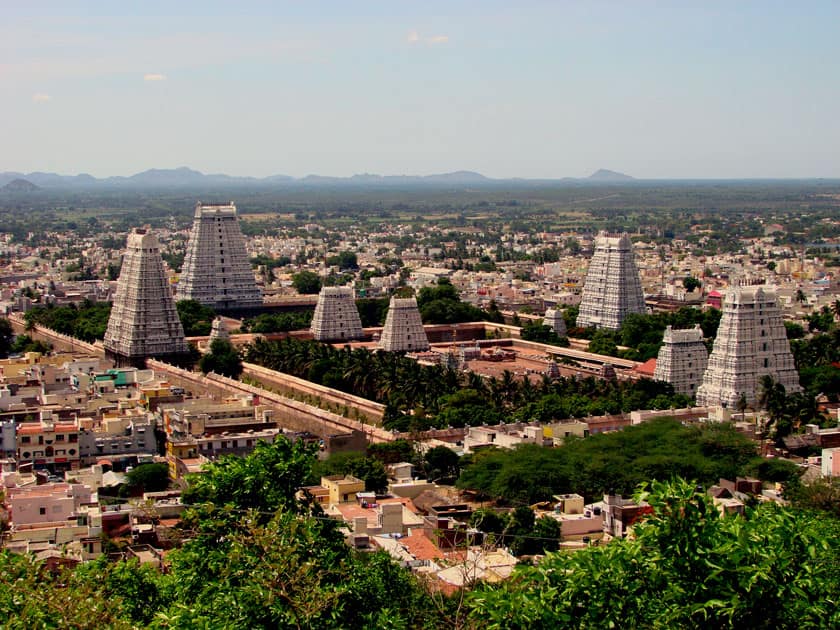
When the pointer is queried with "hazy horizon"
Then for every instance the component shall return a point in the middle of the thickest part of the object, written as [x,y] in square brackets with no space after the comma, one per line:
[539,90]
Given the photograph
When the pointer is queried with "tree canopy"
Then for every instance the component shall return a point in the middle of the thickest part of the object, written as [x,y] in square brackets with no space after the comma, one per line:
[610,462]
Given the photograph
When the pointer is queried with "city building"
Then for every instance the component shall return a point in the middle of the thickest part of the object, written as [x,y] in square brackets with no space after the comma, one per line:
[216,269]
[403,331]
[336,317]
[682,359]
[49,443]
[554,320]
[751,343]
[118,437]
[143,321]
[613,287]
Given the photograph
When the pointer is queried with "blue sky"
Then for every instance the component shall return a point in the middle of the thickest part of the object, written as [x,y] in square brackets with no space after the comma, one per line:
[526,89]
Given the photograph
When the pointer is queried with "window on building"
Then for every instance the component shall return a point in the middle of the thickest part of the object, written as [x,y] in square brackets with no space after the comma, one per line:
[25,439]
[42,510]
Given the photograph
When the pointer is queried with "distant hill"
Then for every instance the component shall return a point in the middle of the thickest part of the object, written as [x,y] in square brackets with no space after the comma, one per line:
[20,185]
[604,175]
[188,178]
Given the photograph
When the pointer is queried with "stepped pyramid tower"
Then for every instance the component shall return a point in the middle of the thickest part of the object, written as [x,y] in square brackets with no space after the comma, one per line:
[751,342]
[336,317]
[403,331]
[682,359]
[554,320]
[218,330]
[612,289]
[216,269]
[143,322]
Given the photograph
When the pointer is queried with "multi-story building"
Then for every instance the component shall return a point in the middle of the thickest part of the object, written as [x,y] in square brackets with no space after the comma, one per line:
[202,417]
[336,317]
[613,288]
[118,437]
[751,343]
[216,269]
[403,331]
[143,321]
[48,443]
[682,359]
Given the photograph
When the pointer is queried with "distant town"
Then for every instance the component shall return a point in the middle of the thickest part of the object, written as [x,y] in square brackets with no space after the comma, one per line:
[453,383]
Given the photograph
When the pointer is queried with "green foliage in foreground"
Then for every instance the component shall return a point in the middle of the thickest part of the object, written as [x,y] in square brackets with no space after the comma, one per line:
[617,462]
[688,567]
[256,557]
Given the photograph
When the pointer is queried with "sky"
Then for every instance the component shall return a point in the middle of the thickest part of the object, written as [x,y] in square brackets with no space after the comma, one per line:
[509,89]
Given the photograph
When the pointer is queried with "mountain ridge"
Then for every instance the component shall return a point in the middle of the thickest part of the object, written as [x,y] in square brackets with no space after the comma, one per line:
[184,176]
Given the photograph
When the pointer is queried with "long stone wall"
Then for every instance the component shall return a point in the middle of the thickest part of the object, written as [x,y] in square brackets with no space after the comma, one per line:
[286,383]
[291,414]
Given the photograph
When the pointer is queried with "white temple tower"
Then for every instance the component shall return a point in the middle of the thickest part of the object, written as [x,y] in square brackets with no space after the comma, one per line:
[554,320]
[682,359]
[143,321]
[218,330]
[336,317]
[751,343]
[216,270]
[403,331]
[612,289]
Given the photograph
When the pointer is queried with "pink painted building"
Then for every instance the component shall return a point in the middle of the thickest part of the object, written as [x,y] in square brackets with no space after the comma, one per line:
[47,503]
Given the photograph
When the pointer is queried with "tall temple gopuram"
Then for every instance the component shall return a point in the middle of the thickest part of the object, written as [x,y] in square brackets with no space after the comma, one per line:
[403,331]
[216,270]
[143,321]
[612,289]
[751,342]
[336,317]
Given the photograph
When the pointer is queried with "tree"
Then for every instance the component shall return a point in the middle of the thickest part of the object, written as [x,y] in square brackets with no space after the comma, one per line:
[306,282]
[690,283]
[196,318]
[686,567]
[223,359]
[441,463]
[6,337]
[368,469]
[148,477]
[266,480]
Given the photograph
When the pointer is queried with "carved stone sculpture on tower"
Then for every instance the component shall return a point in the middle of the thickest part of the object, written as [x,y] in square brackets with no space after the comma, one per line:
[143,321]
[612,289]
[216,270]
[751,343]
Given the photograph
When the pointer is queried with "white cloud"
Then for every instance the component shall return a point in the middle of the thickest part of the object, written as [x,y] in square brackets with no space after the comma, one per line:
[413,37]
[41,98]
[438,39]
[154,76]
